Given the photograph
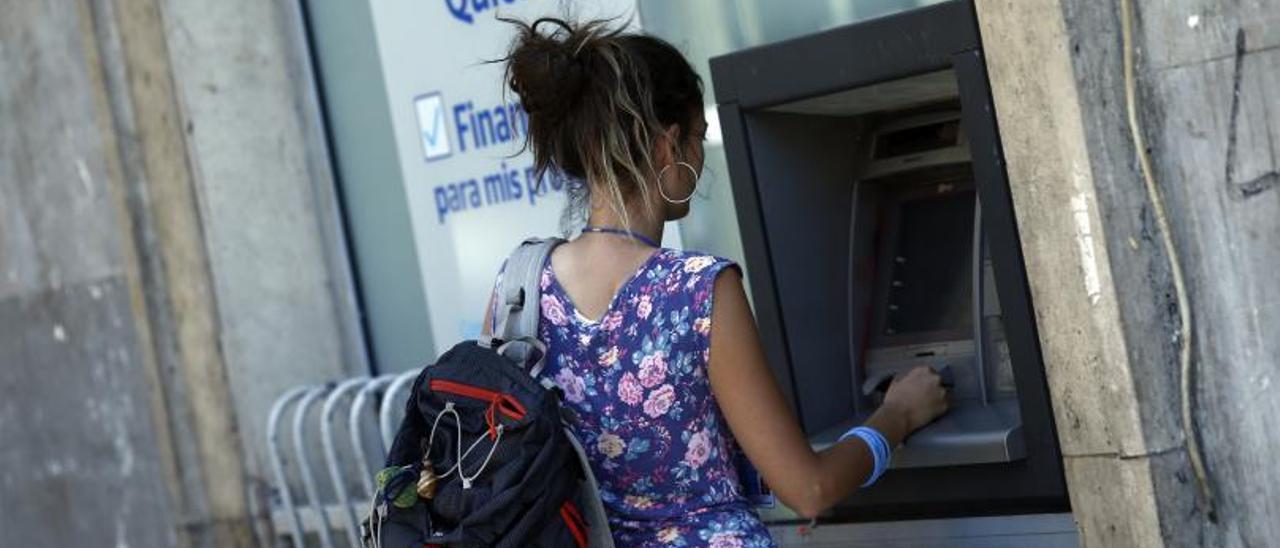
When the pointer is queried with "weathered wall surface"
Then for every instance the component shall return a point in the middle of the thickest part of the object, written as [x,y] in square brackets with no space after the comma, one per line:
[258,162]
[170,261]
[82,456]
[1100,279]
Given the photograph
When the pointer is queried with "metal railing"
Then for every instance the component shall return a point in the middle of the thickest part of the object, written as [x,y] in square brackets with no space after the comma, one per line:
[301,509]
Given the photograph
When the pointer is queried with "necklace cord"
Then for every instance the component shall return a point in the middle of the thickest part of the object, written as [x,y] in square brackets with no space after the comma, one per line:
[621,232]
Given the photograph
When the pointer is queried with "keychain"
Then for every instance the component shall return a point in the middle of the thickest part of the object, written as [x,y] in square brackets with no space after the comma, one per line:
[427,480]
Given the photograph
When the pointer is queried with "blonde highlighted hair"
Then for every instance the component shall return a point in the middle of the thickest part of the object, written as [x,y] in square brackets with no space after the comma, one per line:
[597,100]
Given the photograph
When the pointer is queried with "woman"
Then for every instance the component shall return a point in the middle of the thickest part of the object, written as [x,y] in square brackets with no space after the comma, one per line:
[656,349]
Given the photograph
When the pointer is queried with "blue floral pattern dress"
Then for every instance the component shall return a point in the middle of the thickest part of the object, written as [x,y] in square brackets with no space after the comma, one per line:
[637,378]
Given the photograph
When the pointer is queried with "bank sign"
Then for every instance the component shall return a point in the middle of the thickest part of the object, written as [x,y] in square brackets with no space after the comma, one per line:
[471,189]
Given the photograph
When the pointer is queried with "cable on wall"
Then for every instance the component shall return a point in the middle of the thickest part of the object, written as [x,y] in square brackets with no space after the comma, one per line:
[1194,453]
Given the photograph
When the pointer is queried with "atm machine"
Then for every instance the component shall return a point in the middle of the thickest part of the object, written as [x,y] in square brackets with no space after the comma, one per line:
[879,235]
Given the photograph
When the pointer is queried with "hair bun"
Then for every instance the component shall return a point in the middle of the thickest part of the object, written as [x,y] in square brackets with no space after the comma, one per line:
[550,70]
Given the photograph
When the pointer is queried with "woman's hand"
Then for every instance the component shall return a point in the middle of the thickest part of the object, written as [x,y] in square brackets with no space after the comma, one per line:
[918,396]
[766,428]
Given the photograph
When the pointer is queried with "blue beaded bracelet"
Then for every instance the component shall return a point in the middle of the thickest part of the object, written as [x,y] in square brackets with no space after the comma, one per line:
[878,446]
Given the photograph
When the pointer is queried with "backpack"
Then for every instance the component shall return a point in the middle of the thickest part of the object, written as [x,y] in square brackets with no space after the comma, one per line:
[524,480]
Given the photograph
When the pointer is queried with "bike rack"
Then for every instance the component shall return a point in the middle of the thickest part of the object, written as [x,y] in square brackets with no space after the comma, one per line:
[370,398]
[331,455]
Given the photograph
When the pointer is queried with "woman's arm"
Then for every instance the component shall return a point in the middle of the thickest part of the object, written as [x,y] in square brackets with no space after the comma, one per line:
[769,433]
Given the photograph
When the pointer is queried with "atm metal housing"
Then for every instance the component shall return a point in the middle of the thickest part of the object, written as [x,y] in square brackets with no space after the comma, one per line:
[796,247]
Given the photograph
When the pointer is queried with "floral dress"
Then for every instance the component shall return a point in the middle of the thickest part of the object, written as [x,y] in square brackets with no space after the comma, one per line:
[637,380]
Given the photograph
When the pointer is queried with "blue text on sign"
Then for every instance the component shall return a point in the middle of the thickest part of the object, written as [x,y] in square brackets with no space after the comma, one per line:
[466,10]
[486,127]
[505,185]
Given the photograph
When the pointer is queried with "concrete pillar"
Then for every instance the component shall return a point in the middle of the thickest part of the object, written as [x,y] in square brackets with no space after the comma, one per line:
[87,453]
[170,262]
[1106,305]
[264,192]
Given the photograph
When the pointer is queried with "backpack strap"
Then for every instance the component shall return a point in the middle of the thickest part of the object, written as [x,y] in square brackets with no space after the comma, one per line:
[518,295]
[593,510]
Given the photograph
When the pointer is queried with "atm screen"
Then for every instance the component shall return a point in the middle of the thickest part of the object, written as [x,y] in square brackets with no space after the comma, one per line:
[931,279]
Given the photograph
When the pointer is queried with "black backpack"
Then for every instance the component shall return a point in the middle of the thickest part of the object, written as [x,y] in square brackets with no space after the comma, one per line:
[524,480]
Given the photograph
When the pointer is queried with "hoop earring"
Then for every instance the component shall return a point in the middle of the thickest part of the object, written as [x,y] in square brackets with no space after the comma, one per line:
[663,171]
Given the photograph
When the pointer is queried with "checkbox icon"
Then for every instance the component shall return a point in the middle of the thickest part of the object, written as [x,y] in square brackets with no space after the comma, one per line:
[432,126]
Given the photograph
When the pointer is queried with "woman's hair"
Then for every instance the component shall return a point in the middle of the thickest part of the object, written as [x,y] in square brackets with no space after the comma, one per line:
[597,98]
